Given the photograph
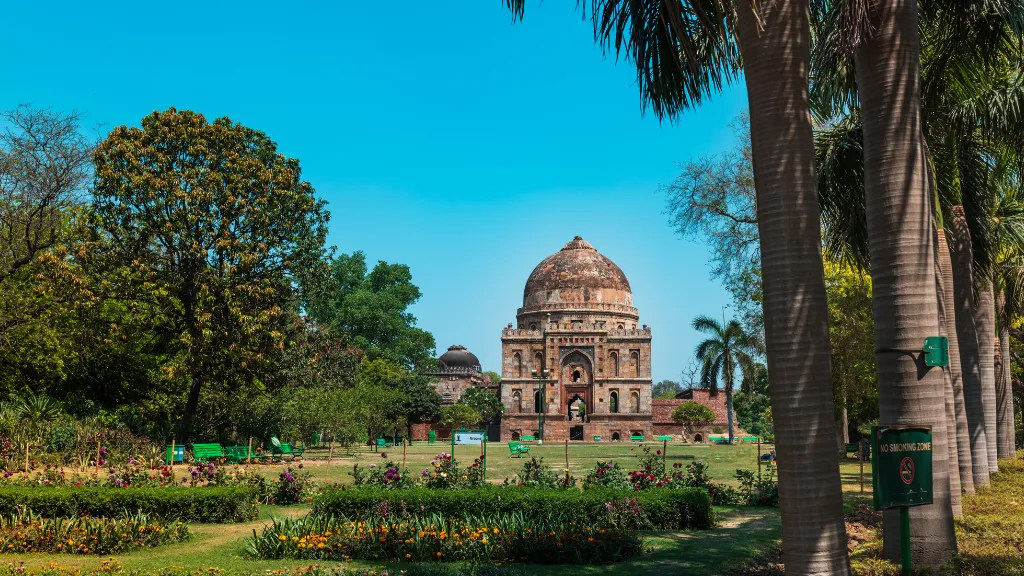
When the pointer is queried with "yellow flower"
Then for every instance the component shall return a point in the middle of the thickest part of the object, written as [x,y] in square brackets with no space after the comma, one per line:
[438,554]
[407,556]
[282,537]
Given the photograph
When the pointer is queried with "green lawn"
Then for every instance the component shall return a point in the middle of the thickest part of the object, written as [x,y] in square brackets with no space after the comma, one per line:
[744,534]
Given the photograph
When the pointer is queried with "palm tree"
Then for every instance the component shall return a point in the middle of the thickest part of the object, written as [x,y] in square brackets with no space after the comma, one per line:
[683,52]
[729,350]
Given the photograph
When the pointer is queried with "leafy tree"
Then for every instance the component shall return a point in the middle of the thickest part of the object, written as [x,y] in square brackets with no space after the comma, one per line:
[459,415]
[713,200]
[728,350]
[217,228]
[666,389]
[851,336]
[484,402]
[692,415]
[371,308]
[494,376]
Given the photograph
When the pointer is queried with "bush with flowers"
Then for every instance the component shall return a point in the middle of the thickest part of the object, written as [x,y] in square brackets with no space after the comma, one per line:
[446,474]
[606,475]
[111,567]
[536,475]
[493,538]
[294,486]
[28,532]
[385,475]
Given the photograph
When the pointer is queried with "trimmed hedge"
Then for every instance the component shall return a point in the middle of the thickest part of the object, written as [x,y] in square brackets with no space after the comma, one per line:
[208,505]
[667,509]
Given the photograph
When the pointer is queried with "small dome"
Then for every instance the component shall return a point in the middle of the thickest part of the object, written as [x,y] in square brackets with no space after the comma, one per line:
[458,360]
[577,273]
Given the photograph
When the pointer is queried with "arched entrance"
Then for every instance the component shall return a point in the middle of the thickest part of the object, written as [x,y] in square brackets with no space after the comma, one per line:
[698,438]
[573,407]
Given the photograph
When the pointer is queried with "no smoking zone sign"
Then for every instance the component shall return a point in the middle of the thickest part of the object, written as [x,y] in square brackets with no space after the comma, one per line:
[902,466]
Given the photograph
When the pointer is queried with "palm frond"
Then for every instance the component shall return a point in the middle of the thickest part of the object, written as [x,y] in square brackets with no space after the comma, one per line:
[707,325]
[839,159]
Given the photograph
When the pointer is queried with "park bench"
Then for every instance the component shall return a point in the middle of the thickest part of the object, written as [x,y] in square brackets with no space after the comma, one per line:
[750,438]
[597,438]
[238,454]
[715,438]
[516,450]
[852,449]
[665,438]
[383,443]
[281,450]
[527,438]
[636,438]
[207,452]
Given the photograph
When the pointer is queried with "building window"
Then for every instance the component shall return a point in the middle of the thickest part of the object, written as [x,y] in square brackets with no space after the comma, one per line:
[614,359]
[634,402]
[634,363]
[616,437]
[613,403]
[621,327]
[533,325]
[517,365]
[536,402]
[538,363]
[575,375]
[517,402]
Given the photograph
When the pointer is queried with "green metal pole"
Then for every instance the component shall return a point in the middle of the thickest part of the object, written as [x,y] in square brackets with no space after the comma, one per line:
[905,539]
[485,456]
[452,467]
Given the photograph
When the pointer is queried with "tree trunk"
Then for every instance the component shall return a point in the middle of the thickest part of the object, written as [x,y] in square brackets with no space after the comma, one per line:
[963,437]
[191,405]
[775,45]
[985,320]
[954,469]
[1005,433]
[962,257]
[904,302]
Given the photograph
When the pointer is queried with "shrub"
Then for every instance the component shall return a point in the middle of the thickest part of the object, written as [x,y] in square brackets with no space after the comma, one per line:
[387,475]
[606,475]
[447,474]
[536,475]
[28,532]
[666,509]
[436,538]
[216,505]
[760,490]
[293,487]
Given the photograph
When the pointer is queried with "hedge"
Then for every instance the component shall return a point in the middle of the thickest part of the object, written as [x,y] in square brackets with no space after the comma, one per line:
[667,509]
[208,505]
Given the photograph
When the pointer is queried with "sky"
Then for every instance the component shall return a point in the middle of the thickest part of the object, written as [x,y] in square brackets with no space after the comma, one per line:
[442,135]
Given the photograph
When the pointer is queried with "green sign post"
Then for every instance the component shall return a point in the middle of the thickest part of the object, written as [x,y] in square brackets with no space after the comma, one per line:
[901,474]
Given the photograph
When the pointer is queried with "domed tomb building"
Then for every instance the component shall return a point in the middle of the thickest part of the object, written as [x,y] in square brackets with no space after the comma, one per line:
[578,323]
[458,370]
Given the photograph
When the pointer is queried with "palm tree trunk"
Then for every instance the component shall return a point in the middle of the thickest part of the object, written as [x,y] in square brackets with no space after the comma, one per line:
[775,45]
[963,438]
[954,469]
[1005,447]
[961,255]
[985,320]
[904,302]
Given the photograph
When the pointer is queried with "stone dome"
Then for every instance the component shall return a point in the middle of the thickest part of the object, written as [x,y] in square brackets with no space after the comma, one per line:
[458,360]
[577,275]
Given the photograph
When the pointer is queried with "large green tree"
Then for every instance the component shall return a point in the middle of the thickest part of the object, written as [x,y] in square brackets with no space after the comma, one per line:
[218,229]
[371,308]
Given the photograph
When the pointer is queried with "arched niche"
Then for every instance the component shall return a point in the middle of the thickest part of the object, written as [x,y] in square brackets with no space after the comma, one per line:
[577,369]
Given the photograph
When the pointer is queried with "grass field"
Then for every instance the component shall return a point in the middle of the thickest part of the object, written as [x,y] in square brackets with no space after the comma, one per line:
[723,460]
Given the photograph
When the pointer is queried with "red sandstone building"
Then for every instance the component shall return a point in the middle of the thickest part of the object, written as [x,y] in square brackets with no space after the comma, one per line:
[577,353]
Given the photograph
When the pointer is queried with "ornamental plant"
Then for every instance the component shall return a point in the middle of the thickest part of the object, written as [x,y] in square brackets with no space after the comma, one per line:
[27,532]
[606,475]
[294,486]
[436,538]
[386,475]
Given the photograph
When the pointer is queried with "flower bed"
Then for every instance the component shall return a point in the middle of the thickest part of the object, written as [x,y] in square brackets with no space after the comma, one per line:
[28,532]
[211,505]
[490,539]
[665,509]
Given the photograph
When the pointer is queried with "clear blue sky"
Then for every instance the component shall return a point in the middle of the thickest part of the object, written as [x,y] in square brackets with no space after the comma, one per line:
[442,135]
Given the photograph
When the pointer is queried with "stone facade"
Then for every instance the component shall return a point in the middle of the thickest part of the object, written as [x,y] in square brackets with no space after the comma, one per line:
[665,426]
[458,370]
[577,346]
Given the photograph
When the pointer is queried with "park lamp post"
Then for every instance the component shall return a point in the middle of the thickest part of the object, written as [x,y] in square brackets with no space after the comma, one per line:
[541,379]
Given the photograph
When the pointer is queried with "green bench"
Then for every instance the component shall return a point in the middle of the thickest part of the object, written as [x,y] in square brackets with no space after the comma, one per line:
[527,438]
[383,443]
[665,438]
[281,450]
[238,454]
[517,450]
[207,452]
[636,438]
[597,438]
[750,438]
